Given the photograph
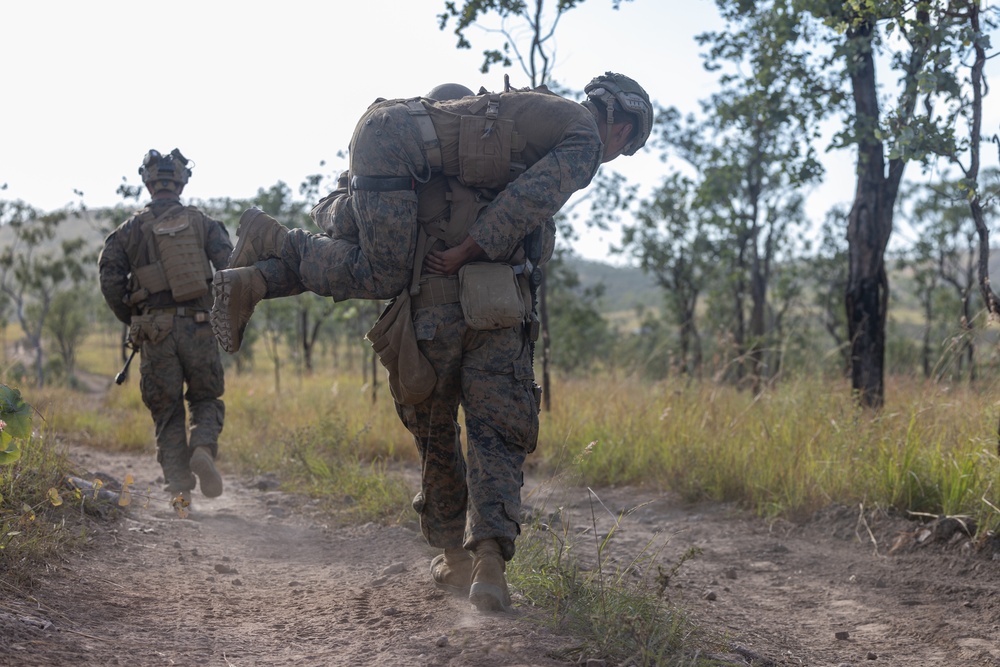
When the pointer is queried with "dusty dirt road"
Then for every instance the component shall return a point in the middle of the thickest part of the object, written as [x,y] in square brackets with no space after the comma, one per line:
[258,577]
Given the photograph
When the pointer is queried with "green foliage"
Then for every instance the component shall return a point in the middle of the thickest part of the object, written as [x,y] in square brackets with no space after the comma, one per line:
[15,424]
[323,461]
[594,591]
[516,17]
[35,527]
[36,265]
[584,336]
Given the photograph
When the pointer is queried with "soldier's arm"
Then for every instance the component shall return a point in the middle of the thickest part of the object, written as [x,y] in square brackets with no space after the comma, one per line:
[218,245]
[543,189]
[114,271]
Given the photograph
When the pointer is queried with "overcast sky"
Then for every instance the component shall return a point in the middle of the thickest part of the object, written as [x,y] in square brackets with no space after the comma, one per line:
[257,92]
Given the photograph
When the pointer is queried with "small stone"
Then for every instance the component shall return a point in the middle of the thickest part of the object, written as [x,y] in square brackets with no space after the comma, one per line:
[871,656]
[843,634]
[441,642]
[390,611]
[237,582]
[395,568]
[710,596]
[225,569]
[730,573]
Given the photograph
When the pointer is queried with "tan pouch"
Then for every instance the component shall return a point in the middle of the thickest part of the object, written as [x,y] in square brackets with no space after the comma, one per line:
[182,255]
[491,296]
[150,328]
[411,376]
[484,148]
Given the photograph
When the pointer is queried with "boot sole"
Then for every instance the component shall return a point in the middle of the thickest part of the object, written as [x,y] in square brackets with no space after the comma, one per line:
[488,597]
[208,477]
[230,341]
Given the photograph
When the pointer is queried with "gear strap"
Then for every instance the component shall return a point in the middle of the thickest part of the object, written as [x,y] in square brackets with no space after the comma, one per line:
[427,133]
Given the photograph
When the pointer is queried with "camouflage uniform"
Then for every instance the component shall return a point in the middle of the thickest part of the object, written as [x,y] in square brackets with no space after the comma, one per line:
[188,353]
[490,374]
[368,252]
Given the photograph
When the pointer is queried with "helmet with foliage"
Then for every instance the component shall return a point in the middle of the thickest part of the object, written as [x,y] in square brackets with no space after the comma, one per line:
[630,97]
[448,91]
[164,172]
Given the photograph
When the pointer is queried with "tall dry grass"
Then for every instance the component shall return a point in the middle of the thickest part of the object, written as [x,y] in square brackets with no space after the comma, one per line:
[799,446]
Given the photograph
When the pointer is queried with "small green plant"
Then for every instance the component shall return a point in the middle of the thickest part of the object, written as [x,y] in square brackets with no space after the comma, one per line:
[15,424]
[617,602]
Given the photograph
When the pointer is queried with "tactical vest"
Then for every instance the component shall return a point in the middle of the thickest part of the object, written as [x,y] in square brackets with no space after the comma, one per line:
[170,254]
[475,150]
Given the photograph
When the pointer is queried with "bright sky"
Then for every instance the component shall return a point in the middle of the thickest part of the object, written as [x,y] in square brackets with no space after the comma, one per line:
[256,92]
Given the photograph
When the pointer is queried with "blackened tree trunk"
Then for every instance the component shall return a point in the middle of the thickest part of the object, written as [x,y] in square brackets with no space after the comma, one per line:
[869,225]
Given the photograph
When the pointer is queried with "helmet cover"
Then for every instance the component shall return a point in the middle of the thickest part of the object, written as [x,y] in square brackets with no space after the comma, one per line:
[611,88]
[165,172]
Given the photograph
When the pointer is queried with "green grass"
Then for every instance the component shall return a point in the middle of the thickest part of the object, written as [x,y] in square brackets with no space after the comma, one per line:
[34,529]
[791,451]
[577,577]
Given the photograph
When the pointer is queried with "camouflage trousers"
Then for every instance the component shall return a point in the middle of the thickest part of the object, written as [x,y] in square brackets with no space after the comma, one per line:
[466,499]
[368,248]
[188,355]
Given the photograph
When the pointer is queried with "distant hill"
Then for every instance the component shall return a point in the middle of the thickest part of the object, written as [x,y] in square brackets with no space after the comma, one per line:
[625,288]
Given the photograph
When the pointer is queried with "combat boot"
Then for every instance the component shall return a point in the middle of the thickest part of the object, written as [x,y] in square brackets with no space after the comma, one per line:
[237,292]
[179,481]
[203,466]
[452,570]
[489,590]
[259,236]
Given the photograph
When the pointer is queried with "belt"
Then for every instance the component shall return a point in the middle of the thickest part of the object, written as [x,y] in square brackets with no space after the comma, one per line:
[435,291]
[197,314]
[383,183]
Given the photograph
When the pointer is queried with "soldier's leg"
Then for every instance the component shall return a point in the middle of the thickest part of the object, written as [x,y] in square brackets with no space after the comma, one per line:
[375,263]
[501,418]
[442,500]
[162,387]
[203,374]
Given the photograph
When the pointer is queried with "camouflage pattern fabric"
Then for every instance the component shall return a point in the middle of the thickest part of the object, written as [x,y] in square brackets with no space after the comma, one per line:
[115,267]
[189,354]
[367,252]
[370,255]
[488,373]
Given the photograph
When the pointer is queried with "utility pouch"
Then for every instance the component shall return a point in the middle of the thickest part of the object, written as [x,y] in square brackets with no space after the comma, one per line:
[484,148]
[491,296]
[411,376]
[150,328]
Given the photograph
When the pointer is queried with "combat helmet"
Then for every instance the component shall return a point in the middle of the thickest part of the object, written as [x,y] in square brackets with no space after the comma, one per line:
[448,91]
[610,88]
[164,172]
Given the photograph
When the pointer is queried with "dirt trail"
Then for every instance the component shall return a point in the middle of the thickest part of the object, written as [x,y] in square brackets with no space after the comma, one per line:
[257,577]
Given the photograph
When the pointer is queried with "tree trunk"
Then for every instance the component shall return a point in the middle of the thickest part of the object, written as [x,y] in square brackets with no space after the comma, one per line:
[869,225]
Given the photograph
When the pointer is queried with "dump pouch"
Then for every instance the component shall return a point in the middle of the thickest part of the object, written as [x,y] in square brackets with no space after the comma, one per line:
[491,296]
[150,328]
[411,376]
